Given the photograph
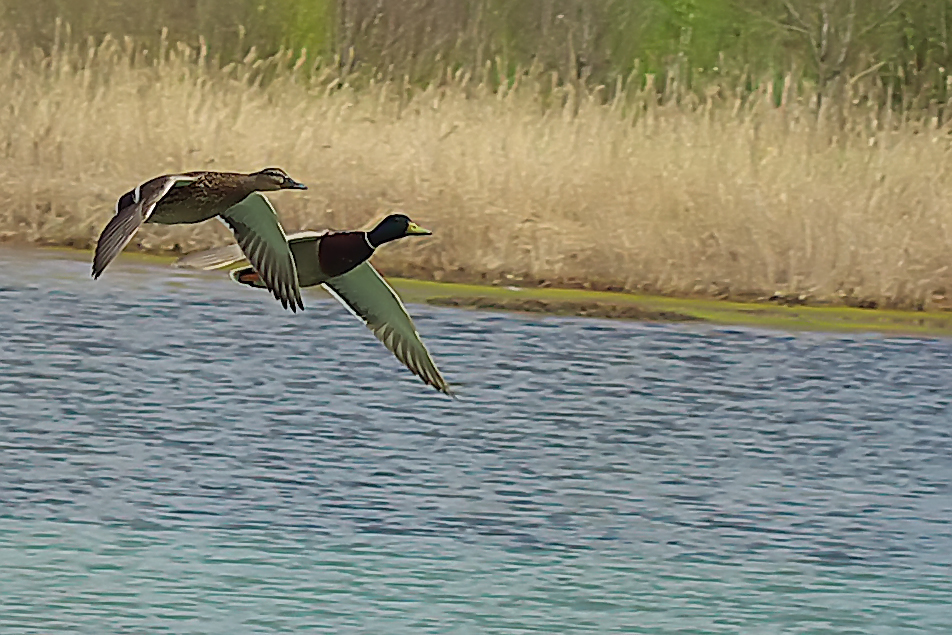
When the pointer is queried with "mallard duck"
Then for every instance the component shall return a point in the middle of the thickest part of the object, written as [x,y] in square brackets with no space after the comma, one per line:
[193,197]
[339,262]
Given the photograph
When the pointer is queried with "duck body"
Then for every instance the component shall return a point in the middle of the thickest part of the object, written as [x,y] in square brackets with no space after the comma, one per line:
[194,197]
[328,255]
[207,196]
[339,261]
[322,256]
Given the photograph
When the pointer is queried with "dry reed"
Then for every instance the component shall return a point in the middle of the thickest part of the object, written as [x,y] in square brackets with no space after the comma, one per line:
[665,192]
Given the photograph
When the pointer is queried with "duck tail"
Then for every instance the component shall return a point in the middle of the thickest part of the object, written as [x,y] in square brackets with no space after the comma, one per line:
[247,276]
[211,258]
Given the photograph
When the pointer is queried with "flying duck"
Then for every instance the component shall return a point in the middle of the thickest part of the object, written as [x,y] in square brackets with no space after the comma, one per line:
[339,262]
[193,197]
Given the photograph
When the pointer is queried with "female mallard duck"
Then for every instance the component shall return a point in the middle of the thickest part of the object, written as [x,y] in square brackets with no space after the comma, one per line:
[339,262]
[193,197]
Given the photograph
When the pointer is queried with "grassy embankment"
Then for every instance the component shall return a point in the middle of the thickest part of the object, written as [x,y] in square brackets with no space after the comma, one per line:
[540,184]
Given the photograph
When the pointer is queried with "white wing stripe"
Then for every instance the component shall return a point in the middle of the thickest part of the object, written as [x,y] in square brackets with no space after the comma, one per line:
[346,306]
[166,186]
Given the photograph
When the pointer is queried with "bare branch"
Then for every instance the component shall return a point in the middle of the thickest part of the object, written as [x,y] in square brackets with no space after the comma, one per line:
[847,40]
[871,69]
[895,6]
[804,28]
[796,14]
[778,23]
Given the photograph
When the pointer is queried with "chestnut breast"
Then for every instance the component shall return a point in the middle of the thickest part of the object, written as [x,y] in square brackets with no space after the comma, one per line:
[339,253]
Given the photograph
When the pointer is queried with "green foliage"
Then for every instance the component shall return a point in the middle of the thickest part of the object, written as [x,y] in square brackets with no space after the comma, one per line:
[904,41]
[297,24]
[228,26]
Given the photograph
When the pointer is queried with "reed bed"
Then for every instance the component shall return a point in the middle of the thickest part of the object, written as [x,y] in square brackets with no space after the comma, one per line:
[715,192]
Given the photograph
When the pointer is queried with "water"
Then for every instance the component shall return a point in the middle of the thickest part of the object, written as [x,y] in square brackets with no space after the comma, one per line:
[178,454]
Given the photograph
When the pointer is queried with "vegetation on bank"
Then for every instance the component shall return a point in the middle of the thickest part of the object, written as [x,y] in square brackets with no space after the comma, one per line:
[907,41]
[822,182]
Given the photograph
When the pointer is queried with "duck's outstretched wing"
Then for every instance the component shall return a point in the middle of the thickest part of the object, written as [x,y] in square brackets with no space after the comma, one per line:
[265,245]
[374,302]
[132,209]
[214,258]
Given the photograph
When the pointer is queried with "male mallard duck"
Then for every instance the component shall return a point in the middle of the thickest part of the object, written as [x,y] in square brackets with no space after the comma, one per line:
[339,262]
[193,197]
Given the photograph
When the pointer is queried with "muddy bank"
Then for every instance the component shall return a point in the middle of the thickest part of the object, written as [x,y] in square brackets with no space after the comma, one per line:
[604,304]
[566,307]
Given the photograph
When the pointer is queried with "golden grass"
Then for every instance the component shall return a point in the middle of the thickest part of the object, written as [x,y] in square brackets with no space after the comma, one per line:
[725,196]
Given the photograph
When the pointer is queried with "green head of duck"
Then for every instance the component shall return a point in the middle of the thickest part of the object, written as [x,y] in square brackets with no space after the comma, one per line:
[393,227]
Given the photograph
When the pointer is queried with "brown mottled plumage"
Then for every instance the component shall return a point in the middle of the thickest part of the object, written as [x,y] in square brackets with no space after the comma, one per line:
[193,197]
[210,194]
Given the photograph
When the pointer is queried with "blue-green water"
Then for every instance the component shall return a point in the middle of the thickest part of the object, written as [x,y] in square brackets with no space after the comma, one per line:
[177,454]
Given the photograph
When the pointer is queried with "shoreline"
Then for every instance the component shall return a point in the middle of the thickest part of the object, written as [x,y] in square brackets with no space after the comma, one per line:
[730,197]
[557,301]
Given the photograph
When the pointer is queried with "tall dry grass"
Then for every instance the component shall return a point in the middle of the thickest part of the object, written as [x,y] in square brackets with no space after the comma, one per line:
[724,195]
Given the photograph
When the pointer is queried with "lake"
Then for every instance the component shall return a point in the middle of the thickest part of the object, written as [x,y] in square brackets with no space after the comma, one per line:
[179,454]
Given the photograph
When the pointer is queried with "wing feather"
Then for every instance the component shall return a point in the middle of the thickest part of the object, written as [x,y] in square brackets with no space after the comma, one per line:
[218,257]
[132,209]
[374,302]
[214,258]
[262,239]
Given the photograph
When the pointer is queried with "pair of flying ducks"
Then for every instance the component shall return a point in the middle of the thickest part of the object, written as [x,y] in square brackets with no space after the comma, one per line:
[282,264]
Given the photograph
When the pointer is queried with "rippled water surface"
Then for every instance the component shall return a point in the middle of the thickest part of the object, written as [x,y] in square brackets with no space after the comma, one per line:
[178,454]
